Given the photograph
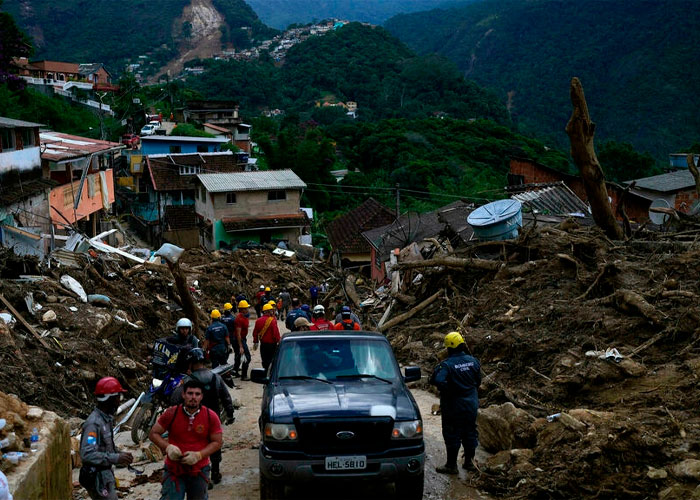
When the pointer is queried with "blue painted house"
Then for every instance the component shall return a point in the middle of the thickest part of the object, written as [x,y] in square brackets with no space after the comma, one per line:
[176,144]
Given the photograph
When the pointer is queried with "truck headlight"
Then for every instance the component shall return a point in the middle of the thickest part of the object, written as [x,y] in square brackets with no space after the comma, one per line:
[407,430]
[280,432]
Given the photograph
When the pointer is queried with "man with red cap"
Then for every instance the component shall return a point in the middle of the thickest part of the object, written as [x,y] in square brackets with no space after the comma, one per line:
[97,449]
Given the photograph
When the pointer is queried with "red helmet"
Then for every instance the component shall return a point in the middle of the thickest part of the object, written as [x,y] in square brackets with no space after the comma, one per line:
[108,385]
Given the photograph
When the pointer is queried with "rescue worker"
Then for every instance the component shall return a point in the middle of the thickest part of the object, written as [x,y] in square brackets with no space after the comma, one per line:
[306,311]
[216,395]
[458,378]
[97,450]
[346,322]
[313,293]
[194,434]
[183,335]
[319,319]
[266,332]
[274,307]
[242,324]
[228,320]
[217,341]
[268,295]
[302,325]
[286,302]
[295,313]
[259,300]
[353,316]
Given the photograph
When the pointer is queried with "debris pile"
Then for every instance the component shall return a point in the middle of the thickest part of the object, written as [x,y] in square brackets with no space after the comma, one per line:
[591,355]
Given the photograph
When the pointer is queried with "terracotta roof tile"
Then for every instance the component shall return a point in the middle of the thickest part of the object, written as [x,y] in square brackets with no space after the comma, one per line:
[345,232]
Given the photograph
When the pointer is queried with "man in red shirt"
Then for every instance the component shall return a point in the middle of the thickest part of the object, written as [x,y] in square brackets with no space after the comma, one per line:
[259,300]
[266,331]
[319,319]
[194,433]
[241,324]
[346,322]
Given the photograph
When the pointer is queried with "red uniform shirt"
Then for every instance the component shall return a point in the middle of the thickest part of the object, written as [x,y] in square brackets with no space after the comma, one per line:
[270,335]
[189,437]
[339,325]
[259,296]
[322,324]
[242,323]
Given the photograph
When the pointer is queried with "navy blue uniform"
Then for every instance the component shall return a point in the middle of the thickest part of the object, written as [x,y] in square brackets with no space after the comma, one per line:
[228,320]
[292,317]
[216,335]
[458,379]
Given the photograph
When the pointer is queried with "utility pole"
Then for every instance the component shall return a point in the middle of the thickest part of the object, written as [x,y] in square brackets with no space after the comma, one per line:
[398,202]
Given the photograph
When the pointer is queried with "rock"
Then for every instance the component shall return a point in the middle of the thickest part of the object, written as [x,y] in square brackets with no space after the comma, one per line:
[657,473]
[55,332]
[499,461]
[572,423]
[591,417]
[87,375]
[502,427]
[687,469]
[49,317]
[34,413]
[51,299]
[631,368]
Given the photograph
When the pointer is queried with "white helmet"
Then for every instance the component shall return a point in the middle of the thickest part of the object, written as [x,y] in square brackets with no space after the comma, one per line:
[262,287]
[319,309]
[183,323]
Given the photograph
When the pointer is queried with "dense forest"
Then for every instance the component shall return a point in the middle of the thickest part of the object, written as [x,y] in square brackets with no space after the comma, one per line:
[632,58]
[115,32]
[282,13]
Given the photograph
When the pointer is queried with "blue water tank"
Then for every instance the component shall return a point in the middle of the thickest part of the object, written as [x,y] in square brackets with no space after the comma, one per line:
[499,220]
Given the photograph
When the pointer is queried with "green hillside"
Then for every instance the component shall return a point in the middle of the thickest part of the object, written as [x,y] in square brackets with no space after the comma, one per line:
[114,32]
[634,59]
[354,63]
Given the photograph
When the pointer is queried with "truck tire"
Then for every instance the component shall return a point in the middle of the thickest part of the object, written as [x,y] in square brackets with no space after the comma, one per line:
[410,488]
[271,490]
[142,423]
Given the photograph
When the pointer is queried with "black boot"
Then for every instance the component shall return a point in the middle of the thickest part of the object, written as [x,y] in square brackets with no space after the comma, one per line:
[450,466]
[244,372]
[469,459]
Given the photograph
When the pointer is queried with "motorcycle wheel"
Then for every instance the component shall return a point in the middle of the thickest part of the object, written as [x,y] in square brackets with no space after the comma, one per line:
[142,423]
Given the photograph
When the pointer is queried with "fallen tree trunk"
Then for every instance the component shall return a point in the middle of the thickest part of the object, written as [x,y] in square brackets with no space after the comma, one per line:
[581,130]
[350,290]
[409,314]
[453,263]
[188,306]
[631,302]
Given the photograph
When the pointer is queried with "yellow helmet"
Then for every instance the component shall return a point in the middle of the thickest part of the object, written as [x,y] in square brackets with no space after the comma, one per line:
[272,303]
[228,306]
[243,304]
[267,307]
[267,289]
[215,314]
[453,339]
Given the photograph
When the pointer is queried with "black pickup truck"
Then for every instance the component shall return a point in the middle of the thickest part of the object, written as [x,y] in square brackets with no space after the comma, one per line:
[336,407]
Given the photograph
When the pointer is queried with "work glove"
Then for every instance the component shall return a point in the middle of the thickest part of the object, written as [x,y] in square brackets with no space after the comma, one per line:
[229,420]
[125,458]
[255,346]
[191,458]
[174,453]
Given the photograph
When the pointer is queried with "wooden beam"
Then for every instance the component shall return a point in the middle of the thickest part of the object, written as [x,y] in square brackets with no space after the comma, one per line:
[24,322]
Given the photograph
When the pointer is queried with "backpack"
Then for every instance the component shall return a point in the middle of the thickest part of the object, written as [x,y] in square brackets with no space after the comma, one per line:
[348,326]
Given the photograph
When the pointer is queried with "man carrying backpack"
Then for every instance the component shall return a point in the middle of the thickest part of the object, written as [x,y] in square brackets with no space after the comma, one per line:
[347,322]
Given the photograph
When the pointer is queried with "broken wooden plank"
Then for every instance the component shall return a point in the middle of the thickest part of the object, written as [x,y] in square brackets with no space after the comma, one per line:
[24,322]
[409,314]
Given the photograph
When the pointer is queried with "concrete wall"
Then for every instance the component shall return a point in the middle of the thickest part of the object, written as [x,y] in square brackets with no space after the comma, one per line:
[163,147]
[23,159]
[62,198]
[248,204]
[47,473]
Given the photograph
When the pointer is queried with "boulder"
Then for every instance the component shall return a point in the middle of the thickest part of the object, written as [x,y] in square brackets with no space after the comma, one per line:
[657,473]
[687,469]
[503,427]
[49,317]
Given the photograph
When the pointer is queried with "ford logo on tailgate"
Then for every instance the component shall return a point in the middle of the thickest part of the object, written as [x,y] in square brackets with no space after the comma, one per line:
[345,435]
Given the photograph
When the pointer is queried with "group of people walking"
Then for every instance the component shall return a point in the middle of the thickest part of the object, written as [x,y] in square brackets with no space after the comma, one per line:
[192,448]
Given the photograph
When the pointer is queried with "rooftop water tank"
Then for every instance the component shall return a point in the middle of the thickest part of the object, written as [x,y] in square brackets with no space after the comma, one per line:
[499,220]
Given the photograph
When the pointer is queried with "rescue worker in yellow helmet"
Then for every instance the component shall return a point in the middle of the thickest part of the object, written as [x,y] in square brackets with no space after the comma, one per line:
[240,344]
[217,341]
[458,378]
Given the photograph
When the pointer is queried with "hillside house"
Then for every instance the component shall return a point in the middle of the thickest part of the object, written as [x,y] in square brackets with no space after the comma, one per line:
[24,194]
[84,171]
[348,247]
[263,207]
[177,144]
[221,113]
[56,72]
[677,189]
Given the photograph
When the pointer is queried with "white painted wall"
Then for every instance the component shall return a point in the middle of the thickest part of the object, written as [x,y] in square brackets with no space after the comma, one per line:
[23,159]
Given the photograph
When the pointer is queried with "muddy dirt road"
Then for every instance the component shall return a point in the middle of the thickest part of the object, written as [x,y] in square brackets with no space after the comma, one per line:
[240,457]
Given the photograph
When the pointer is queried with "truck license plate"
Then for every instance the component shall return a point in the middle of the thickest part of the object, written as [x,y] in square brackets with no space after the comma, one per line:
[346,463]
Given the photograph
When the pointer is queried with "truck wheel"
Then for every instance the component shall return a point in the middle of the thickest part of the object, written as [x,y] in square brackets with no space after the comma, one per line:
[410,488]
[142,422]
[271,490]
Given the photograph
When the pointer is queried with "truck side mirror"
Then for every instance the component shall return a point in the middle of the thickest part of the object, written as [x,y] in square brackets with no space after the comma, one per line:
[259,376]
[411,374]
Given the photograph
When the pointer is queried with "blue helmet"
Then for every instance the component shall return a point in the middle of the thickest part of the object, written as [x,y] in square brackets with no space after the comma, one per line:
[346,309]
[305,307]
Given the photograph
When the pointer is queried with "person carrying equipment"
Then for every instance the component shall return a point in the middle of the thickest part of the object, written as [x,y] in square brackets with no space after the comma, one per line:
[266,332]
[217,341]
[319,319]
[458,379]
[242,324]
[346,322]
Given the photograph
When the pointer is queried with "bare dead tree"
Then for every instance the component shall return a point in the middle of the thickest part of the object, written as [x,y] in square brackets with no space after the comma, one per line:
[581,130]
[690,159]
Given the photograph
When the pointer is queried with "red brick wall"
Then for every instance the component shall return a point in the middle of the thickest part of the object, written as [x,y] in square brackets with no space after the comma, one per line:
[685,200]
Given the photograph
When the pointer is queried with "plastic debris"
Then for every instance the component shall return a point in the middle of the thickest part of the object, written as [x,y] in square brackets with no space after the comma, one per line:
[99,300]
[71,284]
[611,354]
[170,252]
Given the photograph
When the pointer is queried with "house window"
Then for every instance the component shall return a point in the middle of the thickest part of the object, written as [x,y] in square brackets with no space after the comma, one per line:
[277,195]
[230,198]
[27,137]
[189,170]
[202,149]
[175,149]
[7,137]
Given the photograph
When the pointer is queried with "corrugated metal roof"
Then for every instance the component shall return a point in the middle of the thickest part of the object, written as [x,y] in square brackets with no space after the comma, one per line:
[553,199]
[12,123]
[57,146]
[251,181]
[664,183]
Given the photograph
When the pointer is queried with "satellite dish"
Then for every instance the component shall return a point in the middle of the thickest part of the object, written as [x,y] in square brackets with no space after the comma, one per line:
[658,218]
